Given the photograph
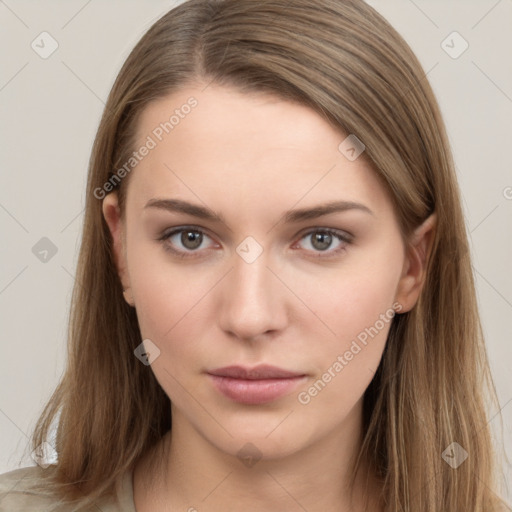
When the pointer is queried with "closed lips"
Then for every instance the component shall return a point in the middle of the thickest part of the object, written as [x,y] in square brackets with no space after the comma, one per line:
[261,372]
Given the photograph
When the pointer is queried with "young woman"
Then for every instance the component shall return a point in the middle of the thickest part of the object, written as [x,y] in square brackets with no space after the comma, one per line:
[275,307]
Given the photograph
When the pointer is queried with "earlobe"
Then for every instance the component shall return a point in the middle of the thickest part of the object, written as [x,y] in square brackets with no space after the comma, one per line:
[415,264]
[112,215]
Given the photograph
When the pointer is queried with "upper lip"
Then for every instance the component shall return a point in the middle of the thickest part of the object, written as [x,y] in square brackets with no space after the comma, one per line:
[262,371]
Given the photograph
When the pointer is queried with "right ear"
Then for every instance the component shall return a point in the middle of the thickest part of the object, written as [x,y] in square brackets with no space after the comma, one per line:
[112,214]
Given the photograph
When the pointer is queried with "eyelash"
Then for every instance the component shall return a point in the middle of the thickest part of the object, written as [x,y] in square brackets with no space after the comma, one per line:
[341,236]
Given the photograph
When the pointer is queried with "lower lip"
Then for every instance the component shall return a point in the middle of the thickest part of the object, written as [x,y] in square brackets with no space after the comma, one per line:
[261,391]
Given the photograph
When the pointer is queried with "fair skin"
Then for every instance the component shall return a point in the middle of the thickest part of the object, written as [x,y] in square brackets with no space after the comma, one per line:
[299,305]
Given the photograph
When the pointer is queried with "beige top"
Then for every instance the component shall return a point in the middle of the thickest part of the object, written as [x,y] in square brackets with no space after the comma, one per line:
[16,496]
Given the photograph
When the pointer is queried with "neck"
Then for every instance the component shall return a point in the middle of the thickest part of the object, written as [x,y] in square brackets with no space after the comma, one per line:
[196,475]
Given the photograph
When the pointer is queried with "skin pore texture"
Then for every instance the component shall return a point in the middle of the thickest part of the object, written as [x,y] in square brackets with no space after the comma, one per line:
[250,158]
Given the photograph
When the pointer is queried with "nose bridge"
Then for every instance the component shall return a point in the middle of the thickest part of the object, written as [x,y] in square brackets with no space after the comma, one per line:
[252,302]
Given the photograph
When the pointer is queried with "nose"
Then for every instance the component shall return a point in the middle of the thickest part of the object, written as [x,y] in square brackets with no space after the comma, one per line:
[252,301]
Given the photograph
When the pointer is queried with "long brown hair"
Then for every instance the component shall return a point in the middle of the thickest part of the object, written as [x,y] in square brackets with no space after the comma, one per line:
[345,61]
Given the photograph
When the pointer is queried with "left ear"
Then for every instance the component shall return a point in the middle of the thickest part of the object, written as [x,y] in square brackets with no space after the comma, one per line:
[415,264]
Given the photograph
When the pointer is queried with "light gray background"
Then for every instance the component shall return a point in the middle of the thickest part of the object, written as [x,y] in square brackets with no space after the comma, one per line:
[50,112]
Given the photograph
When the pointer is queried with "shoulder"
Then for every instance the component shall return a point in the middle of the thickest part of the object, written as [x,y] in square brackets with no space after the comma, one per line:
[17,494]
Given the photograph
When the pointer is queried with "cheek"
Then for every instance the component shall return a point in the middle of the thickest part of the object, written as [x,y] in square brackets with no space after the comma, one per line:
[347,362]
[359,309]
[168,313]
[354,297]
[161,287]
[173,307]
[170,309]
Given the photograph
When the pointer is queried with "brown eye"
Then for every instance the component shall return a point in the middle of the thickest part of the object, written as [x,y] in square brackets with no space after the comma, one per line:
[184,241]
[326,241]
[321,241]
[191,239]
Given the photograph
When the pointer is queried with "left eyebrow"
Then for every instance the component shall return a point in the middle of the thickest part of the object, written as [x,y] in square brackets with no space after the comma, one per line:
[324,209]
[290,216]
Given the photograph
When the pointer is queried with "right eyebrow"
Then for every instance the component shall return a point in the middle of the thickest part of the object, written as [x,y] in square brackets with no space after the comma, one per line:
[178,205]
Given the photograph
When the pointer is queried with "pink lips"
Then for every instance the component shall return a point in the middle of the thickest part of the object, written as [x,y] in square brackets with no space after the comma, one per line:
[256,385]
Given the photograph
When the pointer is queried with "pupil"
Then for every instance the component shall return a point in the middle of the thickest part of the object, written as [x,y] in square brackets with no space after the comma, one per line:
[324,240]
[191,239]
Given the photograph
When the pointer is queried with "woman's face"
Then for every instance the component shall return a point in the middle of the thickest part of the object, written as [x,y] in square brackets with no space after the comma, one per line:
[257,276]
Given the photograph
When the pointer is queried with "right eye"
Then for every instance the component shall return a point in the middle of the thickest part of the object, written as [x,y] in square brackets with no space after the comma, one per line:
[184,241]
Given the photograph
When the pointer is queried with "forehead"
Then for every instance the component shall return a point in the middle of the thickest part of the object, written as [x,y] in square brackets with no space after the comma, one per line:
[225,118]
[217,142]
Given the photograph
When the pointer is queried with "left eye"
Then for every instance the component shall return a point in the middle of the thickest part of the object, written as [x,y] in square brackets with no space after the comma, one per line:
[320,240]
